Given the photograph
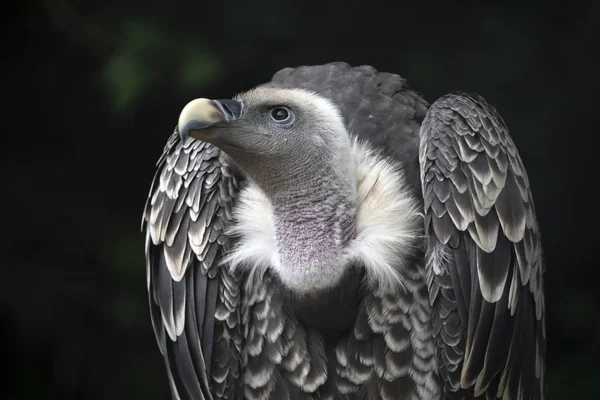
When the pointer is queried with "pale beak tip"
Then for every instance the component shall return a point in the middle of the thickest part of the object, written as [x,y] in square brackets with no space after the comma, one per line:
[198,114]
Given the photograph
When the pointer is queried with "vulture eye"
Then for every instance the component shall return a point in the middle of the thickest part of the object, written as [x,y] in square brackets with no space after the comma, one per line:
[281,114]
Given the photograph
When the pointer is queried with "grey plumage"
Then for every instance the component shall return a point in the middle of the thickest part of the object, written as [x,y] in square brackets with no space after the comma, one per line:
[469,320]
[194,304]
[484,260]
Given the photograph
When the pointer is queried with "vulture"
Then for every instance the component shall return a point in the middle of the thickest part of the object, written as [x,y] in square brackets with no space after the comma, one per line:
[331,235]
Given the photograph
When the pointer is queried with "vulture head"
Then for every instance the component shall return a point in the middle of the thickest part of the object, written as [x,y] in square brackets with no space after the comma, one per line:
[281,138]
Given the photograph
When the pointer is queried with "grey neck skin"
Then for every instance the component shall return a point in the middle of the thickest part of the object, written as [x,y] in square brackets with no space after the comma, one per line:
[313,226]
[314,207]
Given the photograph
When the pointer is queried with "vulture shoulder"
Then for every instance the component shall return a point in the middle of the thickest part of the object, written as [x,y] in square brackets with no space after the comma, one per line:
[484,257]
[193,302]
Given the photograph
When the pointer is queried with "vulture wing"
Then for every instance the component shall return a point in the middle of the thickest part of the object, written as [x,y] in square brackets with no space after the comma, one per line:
[193,302]
[484,256]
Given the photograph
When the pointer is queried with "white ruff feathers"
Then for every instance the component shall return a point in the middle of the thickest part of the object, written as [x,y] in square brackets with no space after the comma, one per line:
[389,225]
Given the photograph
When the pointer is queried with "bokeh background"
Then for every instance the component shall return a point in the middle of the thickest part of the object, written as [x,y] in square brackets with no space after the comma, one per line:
[92,89]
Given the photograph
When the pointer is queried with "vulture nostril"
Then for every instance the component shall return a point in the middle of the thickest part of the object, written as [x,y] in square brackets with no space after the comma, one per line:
[231,108]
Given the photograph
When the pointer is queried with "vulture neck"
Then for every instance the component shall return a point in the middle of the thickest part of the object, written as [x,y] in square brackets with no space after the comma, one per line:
[313,225]
[329,226]
[308,226]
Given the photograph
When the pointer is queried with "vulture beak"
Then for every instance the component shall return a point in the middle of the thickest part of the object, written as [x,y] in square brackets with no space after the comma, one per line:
[201,113]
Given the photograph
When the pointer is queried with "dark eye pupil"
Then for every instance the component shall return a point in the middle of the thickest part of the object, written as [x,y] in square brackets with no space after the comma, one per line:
[279,114]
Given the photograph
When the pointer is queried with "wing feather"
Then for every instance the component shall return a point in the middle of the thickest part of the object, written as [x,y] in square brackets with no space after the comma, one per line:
[484,258]
[188,207]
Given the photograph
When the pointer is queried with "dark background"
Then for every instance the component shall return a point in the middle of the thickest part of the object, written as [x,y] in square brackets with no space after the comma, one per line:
[92,89]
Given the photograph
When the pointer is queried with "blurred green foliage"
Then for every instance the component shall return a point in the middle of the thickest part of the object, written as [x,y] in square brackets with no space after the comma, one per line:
[147,55]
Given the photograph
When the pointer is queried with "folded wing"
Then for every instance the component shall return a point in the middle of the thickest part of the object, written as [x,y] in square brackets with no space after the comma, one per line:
[193,301]
[484,255]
